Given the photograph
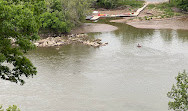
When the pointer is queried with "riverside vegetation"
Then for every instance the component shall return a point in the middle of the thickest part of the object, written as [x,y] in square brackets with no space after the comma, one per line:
[179,93]
[174,8]
[117,3]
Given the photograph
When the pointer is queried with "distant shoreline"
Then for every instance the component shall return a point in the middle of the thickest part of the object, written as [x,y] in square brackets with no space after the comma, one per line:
[167,23]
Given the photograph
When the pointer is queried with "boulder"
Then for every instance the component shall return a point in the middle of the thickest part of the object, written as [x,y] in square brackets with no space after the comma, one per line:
[98,40]
[36,44]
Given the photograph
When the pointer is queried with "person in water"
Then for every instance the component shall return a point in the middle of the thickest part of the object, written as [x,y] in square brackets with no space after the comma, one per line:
[138,45]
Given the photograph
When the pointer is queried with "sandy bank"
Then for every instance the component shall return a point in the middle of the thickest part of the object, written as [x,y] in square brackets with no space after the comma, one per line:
[170,23]
[93,27]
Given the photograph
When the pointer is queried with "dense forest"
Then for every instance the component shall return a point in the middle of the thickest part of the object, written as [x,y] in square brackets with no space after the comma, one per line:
[62,15]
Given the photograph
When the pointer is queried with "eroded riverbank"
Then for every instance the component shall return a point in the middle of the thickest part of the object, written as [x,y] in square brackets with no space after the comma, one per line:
[168,23]
[171,23]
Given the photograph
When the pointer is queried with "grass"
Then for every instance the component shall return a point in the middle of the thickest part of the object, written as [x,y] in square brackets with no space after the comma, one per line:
[132,3]
[109,4]
[166,8]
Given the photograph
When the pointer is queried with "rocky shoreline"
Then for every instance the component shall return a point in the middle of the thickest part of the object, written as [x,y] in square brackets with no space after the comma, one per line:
[69,39]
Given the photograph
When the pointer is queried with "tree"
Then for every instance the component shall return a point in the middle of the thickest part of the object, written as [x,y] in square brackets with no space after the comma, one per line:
[19,22]
[183,4]
[10,108]
[63,15]
[179,93]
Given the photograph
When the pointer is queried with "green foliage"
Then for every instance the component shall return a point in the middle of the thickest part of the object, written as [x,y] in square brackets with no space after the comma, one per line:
[54,22]
[183,4]
[62,15]
[1,108]
[132,3]
[56,5]
[166,8]
[115,3]
[10,108]
[13,108]
[107,3]
[19,21]
[179,93]
[151,6]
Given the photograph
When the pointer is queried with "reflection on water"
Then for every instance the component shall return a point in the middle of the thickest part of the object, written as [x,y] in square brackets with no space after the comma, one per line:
[128,33]
[116,77]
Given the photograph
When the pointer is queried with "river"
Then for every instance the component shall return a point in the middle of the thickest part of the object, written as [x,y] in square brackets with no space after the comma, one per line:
[116,77]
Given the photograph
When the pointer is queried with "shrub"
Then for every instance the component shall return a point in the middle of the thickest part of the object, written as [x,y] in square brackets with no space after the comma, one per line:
[115,3]
[179,93]
[55,22]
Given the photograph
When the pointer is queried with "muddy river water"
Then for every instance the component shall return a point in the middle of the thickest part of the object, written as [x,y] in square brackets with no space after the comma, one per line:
[116,77]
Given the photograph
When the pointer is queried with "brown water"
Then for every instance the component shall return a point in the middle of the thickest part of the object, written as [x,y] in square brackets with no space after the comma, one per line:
[116,77]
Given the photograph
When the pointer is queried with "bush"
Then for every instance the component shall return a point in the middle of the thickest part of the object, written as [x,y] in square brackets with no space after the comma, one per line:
[55,22]
[132,3]
[61,16]
[183,4]
[115,3]
[179,93]
[107,3]
[10,108]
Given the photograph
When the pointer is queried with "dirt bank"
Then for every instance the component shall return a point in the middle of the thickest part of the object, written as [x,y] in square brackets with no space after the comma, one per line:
[172,23]
[168,23]
[156,21]
[93,27]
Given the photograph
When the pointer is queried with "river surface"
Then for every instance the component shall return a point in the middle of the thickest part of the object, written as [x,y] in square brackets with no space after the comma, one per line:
[116,77]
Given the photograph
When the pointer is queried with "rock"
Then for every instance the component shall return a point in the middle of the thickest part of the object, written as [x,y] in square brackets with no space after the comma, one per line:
[44,44]
[159,17]
[149,13]
[77,35]
[59,43]
[12,40]
[37,44]
[98,40]
[50,42]
[57,48]
[73,38]
[41,41]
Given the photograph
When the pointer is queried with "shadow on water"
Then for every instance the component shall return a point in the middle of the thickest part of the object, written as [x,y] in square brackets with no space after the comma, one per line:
[166,35]
[129,33]
[182,35]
